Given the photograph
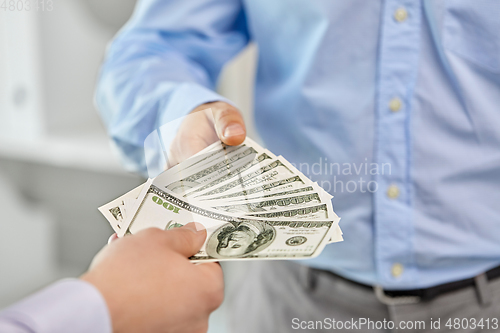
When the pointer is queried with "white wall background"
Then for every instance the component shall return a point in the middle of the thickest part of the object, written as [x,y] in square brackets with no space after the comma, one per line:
[56,166]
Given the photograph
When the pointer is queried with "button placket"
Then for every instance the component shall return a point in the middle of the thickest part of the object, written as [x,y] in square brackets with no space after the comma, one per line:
[398,64]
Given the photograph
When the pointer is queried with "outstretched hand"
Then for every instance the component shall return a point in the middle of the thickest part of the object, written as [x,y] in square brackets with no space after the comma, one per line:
[203,126]
[150,285]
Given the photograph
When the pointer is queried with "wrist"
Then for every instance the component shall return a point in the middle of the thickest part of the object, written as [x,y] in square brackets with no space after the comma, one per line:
[107,294]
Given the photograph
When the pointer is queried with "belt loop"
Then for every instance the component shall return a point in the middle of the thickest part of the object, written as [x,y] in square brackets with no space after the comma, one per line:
[482,289]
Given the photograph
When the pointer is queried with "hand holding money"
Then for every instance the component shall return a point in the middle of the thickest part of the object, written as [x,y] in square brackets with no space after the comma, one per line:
[205,125]
[254,205]
[149,276]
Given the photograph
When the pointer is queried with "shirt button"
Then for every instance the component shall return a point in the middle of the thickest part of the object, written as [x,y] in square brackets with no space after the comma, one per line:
[397,269]
[400,15]
[395,104]
[393,192]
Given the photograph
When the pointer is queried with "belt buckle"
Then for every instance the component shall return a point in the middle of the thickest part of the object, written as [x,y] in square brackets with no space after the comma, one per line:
[388,300]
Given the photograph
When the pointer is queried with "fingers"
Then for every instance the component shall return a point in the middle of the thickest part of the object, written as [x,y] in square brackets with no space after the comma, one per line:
[213,283]
[112,238]
[229,125]
[212,270]
[186,240]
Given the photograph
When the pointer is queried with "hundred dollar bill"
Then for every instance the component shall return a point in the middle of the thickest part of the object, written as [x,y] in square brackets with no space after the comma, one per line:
[211,153]
[207,155]
[240,199]
[204,157]
[265,195]
[231,237]
[253,177]
[269,204]
[248,143]
[289,185]
[262,158]
[163,179]
[311,212]
[116,211]
[183,181]
[336,235]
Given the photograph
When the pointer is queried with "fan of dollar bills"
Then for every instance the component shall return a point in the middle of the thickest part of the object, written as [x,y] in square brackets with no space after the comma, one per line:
[254,205]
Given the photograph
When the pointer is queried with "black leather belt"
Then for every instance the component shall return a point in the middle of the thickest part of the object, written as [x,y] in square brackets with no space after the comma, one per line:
[427,294]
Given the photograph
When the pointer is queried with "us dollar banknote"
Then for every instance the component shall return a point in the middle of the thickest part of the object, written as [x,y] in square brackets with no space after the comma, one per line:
[315,211]
[253,204]
[231,237]
[269,204]
[254,176]
[294,183]
[231,174]
[216,169]
[116,211]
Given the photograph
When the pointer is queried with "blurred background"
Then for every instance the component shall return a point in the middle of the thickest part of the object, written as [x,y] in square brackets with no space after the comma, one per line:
[56,163]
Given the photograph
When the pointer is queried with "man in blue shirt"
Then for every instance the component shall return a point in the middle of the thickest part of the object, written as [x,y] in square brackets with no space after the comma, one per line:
[351,86]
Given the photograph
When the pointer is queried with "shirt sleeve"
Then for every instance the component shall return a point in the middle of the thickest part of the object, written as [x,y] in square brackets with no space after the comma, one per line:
[67,306]
[163,64]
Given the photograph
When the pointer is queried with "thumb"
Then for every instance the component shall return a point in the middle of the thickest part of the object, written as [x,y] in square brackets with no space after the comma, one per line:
[186,240]
[229,125]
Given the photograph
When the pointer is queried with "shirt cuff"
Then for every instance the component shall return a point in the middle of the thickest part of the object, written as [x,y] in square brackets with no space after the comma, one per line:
[70,305]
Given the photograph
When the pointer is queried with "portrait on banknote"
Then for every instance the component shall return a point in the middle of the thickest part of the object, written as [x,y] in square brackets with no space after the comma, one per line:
[240,239]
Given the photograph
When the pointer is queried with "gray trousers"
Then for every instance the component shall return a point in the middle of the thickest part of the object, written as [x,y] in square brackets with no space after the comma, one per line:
[282,296]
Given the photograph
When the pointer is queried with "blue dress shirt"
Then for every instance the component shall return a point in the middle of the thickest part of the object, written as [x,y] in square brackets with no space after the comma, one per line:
[393,106]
